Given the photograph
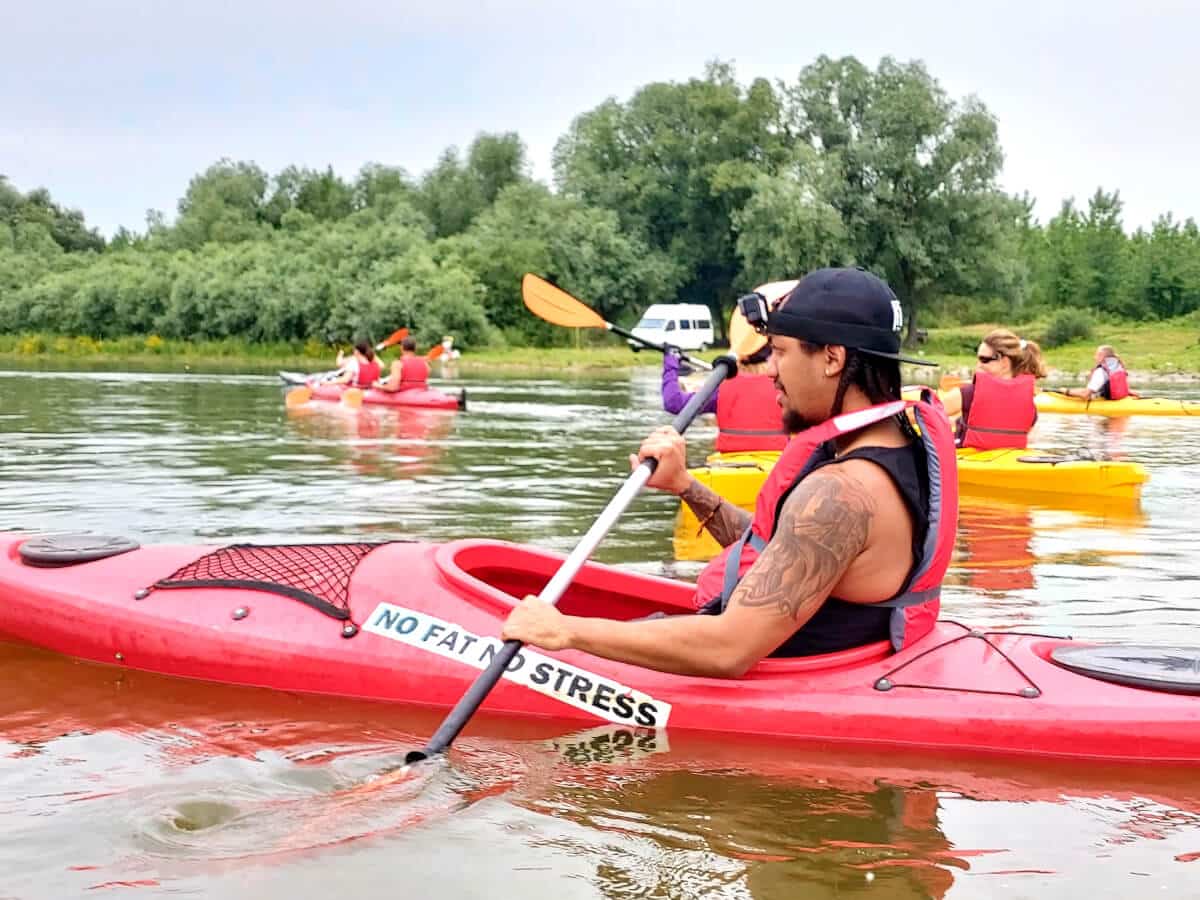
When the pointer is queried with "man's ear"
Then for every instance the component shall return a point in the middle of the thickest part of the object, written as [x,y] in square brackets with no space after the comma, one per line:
[835,359]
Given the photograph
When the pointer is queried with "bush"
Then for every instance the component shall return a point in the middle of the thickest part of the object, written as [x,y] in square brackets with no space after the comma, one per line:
[1069,325]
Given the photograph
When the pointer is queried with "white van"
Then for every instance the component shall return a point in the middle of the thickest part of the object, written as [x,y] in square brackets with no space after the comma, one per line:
[688,326]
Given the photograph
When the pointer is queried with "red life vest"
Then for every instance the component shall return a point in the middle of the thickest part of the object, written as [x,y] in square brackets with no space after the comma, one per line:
[1118,380]
[368,374]
[1002,412]
[915,609]
[414,372]
[748,415]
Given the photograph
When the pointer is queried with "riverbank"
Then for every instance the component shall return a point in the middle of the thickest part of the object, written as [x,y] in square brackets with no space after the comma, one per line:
[1157,352]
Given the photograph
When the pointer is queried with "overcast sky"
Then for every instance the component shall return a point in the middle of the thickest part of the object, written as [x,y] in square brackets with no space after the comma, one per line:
[115,105]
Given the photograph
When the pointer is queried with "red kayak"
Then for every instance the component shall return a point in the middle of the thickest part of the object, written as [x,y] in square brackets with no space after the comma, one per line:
[426,398]
[415,622]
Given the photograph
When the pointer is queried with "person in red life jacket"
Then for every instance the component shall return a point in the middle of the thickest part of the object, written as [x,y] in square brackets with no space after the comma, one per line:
[748,418]
[409,372]
[1109,380]
[360,369]
[853,528]
[997,406]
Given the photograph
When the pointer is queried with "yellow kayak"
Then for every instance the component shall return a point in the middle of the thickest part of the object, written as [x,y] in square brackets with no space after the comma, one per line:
[735,476]
[1031,476]
[1054,402]
[1034,471]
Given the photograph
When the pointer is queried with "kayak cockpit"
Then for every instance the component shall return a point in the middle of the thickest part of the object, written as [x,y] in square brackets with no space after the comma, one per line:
[496,574]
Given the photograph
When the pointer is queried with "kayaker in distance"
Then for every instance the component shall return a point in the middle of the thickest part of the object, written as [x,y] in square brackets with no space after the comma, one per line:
[360,369]
[1109,380]
[854,527]
[748,418]
[997,406]
[409,372]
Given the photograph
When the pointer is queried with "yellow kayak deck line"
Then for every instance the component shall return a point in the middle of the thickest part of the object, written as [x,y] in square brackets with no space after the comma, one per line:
[1037,477]
[1054,402]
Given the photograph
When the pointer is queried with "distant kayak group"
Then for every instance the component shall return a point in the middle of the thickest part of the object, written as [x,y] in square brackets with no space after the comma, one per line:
[358,378]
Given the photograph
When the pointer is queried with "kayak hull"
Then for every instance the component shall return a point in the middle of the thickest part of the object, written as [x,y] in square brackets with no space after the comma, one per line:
[428,613]
[1036,472]
[1054,402]
[421,398]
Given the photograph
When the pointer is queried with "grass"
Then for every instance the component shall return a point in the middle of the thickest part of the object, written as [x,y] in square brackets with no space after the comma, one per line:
[1149,349]
[1153,349]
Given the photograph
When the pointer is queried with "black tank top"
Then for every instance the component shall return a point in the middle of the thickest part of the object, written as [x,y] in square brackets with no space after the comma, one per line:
[839,625]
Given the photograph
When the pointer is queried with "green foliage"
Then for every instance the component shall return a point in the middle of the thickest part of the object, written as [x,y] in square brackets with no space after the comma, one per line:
[675,163]
[1069,325]
[917,190]
[686,191]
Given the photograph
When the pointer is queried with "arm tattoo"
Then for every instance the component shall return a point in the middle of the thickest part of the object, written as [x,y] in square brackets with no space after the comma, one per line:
[726,524]
[823,527]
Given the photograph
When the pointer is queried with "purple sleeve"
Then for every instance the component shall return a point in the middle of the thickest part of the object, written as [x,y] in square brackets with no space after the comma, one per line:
[673,398]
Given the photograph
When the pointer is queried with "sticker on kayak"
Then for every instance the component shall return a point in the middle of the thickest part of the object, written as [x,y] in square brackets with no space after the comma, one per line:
[600,696]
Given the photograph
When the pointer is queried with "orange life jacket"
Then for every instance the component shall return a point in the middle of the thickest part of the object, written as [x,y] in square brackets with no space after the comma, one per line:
[915,609]
[1117,386]
[748,415]
[1002,412]
[368,373]
[414,372]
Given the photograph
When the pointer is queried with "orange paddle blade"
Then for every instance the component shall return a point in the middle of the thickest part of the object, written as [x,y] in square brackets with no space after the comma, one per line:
[352,397]
[297,397]
[435,352]
[394,338]
[949,383]
[557,306]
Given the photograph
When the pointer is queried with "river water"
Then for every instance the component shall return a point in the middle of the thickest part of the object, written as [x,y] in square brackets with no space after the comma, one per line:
[118,781]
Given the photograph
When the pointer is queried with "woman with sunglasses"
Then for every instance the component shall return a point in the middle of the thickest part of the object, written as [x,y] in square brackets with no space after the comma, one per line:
[997,406]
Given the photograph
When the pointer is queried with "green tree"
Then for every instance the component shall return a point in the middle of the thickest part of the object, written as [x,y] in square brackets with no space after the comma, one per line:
[918,193]
[584,249]
[675,163]
[225,203]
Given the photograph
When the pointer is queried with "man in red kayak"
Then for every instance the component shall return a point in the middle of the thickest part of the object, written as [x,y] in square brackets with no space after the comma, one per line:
[854,527]
[409,372]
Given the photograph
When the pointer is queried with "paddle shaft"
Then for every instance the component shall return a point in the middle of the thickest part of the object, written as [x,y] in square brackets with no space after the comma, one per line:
[725,367]
[661,348]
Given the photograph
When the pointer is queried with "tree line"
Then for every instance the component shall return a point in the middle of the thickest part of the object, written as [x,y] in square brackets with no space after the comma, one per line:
[691,191]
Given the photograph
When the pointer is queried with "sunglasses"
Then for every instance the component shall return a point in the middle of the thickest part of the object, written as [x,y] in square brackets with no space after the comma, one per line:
[984,360]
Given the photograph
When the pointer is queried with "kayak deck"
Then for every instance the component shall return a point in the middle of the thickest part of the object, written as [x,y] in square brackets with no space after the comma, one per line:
[428,614]
[1055,402]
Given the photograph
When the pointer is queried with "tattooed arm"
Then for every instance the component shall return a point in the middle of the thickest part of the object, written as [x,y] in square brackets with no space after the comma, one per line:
[823,527]
[724,521]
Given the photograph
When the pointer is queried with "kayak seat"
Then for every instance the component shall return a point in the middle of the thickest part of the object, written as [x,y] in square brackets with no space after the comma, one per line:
[1175,670]
[462,399]
[54,550]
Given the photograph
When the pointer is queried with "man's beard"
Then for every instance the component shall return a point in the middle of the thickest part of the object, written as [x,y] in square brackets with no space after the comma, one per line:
[794,423]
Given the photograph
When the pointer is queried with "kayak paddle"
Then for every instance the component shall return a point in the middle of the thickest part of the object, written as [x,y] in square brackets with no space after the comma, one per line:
[394,338]
[724,367]
[558,307]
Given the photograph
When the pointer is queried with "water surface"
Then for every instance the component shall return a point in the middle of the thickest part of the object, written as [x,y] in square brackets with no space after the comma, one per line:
[117,781]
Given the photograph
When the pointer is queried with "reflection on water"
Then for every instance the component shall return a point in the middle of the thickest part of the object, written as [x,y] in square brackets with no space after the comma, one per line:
[114,779]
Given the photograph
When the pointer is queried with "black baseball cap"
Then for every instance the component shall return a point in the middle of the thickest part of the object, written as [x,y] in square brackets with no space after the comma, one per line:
[849,307]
